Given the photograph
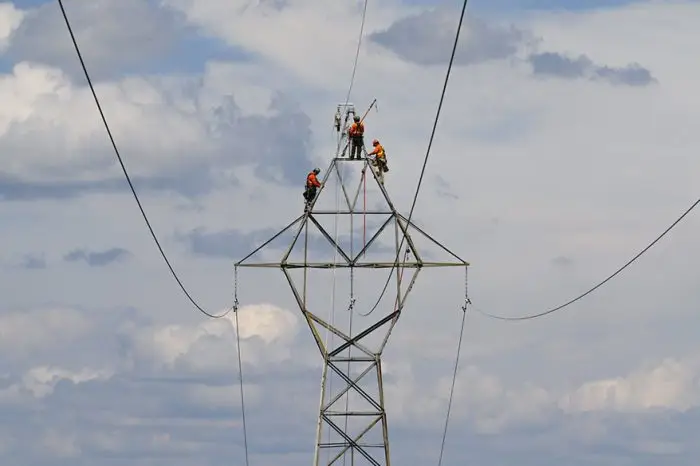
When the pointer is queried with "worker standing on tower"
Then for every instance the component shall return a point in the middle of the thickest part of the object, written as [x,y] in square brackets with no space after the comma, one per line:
[356,135]
[379,156]
[312,184]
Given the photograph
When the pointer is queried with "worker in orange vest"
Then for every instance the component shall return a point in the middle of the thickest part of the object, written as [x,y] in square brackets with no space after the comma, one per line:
[379,156]
[356,134]
[312,184]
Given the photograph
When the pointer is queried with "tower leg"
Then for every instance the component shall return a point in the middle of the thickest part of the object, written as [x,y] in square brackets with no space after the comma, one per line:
[319,426]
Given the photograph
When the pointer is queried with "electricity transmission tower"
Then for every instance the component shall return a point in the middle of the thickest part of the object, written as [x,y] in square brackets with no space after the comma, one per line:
[377,241]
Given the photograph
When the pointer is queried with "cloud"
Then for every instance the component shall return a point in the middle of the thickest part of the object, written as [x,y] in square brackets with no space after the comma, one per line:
[34,262]
[670,385]
[190,183]
[332,22]
[11,18]
[427,39]
[562,261]
[554,64]
[36,331]
[97,259]
[233,244]
[73,155]
[116,367]
[483,400]
[229,244]
[181,373]
[162,390]
[106,45]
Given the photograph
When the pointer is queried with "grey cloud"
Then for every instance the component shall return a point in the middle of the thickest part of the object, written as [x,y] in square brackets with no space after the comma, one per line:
[555,64]
[97,259]
[233,244]
[15,189]
[427,39]
[446,194]
[111,35]
[275,145]
[281,142]
[48,336]
[276,4]
[34,261]
[562,261]
[559,65]
[443,188]
[632,75]
[120,417]
[590,439]
[150,412]
[189,181]
[229,244]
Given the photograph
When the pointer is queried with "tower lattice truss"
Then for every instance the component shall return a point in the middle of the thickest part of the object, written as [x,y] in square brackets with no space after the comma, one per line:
[351,240]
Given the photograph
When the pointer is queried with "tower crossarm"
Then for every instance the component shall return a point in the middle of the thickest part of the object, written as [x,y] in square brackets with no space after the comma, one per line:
[340,265]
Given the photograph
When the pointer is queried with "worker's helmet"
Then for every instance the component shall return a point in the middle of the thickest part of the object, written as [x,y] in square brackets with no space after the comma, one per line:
[317,170]
[375,142]
[356,118]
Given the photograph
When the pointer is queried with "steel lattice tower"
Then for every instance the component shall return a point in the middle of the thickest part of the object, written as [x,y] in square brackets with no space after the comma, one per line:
[352,422]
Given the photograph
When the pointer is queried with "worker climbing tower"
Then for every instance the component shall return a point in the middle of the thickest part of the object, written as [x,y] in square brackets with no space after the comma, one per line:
[351,237]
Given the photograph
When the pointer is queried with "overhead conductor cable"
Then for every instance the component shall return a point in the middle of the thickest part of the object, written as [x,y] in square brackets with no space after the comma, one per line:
[610,277]
[234,307]
[126,173]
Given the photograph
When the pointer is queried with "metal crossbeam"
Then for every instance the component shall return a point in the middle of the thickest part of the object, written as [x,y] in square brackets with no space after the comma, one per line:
[334,265]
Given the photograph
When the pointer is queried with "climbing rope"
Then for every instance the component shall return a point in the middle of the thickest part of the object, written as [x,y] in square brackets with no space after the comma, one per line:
[467,302]
[240,361]
[364,211]
[351,306]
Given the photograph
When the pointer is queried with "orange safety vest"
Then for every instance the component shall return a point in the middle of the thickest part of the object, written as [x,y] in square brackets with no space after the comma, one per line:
[311,180]
[378,151]
[357,129]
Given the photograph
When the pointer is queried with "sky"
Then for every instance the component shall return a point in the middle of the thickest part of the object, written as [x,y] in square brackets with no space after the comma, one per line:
[567,142]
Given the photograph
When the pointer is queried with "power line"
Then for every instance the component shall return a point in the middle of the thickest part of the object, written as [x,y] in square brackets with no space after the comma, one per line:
[581,296]
[354,70]
[126,173]
[437,115]
[155,238]
[413,206]
[408,222]
[427,153]
[357,52]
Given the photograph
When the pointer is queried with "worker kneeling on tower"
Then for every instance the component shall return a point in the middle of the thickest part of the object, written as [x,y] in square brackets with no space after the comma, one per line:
[379,156]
